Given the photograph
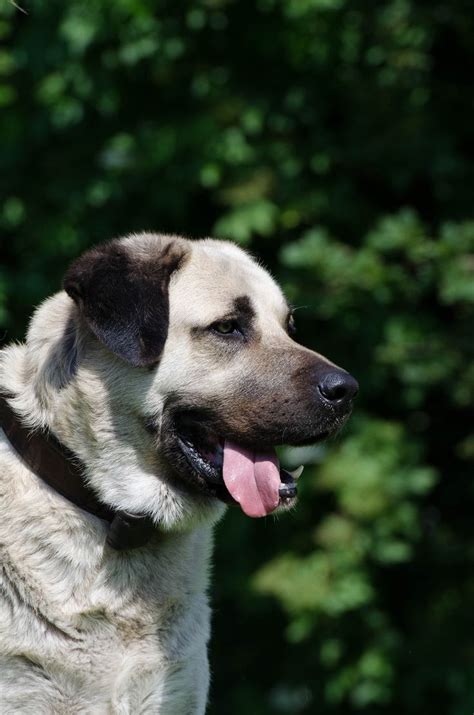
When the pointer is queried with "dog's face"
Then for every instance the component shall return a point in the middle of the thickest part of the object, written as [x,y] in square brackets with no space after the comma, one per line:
[207,334]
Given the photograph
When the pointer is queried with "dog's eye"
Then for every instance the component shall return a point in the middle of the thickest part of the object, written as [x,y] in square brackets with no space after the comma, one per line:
[226,327]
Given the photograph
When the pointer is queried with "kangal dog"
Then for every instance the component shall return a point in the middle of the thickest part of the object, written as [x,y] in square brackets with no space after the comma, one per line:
[164,374]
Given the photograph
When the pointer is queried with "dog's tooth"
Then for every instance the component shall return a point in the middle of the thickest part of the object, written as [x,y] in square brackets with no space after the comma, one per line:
[296,473]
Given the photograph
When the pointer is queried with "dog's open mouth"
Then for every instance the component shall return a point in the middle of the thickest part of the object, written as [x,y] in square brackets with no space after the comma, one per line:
[208,455]
[254,479]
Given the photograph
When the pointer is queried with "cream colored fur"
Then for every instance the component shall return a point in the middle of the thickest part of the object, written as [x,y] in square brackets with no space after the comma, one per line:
[85,629]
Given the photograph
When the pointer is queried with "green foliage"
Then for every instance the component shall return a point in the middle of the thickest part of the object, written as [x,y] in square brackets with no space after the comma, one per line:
[334,139]
[374,480]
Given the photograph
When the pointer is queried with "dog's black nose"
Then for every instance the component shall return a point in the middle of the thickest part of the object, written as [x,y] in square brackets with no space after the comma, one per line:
[338,387]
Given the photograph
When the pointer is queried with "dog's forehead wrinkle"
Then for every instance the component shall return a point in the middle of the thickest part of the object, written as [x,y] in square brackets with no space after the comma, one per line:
[217,275]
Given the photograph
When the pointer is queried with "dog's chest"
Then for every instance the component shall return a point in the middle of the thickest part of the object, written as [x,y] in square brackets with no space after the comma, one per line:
[139,638]
[114,626]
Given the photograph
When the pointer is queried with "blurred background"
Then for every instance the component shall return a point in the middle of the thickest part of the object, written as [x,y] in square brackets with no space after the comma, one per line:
[333,138]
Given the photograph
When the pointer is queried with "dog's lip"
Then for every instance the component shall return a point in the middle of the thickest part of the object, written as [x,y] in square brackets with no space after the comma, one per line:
[206,440]
[212,472]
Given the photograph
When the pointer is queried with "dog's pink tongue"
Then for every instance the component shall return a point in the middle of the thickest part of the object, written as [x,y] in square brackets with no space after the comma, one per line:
[252,479]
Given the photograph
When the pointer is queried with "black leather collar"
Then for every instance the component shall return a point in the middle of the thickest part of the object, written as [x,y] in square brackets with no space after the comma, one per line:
[63,471]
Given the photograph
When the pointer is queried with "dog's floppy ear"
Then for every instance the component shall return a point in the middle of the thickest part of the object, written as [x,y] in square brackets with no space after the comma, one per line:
[124,297]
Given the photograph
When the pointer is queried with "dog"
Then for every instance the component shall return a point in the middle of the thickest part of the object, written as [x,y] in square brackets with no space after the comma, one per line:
[156,385]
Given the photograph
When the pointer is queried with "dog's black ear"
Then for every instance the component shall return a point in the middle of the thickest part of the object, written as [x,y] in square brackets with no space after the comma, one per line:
[121,289]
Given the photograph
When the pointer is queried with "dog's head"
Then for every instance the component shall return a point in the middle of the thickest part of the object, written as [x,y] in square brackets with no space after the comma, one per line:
[197,338]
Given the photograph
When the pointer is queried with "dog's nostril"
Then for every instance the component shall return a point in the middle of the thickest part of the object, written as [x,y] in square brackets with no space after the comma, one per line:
[338,393]
[338,386]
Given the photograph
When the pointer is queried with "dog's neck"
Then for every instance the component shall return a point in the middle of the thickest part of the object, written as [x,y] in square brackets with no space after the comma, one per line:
[60,468]
[57,556]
